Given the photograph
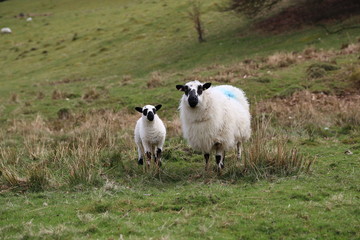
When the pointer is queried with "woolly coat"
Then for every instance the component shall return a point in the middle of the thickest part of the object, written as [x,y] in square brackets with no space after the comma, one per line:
[221,117]
[150,134]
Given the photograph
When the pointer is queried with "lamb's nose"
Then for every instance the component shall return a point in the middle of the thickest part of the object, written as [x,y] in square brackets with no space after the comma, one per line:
[150,116]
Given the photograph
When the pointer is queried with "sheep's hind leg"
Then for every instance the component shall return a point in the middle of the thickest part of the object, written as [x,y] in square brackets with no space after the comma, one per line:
[158,157]
[206,156]
[239,150]
[148,159]
[220,158]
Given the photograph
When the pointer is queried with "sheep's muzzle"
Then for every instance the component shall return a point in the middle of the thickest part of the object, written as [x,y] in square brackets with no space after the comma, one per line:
[193,99]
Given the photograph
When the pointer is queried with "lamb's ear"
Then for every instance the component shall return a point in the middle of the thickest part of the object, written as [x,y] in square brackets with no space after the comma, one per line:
[180,87]
[206,85]
[157,107]
[139,109]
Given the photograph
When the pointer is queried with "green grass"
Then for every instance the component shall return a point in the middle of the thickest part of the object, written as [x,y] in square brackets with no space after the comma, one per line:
[324,204]
[98,57]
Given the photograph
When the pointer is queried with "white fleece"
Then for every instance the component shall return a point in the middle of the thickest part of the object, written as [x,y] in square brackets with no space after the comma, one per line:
[221,117]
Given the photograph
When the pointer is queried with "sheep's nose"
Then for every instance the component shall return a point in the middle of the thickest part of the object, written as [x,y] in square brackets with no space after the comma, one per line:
[150,116]
[193,99]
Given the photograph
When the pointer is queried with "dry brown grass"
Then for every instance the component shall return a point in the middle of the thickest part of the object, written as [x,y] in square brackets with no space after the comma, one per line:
[68,151]
[318,109]
[267,154]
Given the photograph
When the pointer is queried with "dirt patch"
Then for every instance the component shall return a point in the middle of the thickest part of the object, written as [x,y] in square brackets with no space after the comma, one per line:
[309,12]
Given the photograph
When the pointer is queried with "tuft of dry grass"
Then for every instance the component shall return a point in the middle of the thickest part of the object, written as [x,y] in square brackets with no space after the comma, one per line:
[126,79]
[14,98]
[91,94]
[156,80]
[267,154]
[280,60]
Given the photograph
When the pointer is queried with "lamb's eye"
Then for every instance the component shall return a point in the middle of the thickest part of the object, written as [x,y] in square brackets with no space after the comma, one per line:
[154,110]
[145,112]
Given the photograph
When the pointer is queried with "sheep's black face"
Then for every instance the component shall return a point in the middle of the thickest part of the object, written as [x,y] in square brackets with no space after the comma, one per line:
[148,111]
[193,91]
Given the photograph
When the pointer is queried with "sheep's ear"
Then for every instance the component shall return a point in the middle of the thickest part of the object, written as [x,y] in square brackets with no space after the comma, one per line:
[206,85]
[180,87]
[139,109]
[157,107]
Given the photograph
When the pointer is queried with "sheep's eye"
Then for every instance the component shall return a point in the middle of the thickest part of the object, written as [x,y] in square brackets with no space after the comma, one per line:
[200,90]
[186,90]
[145,112]
[154,110]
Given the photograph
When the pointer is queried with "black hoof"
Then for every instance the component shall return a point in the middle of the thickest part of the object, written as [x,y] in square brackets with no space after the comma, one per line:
[141,161]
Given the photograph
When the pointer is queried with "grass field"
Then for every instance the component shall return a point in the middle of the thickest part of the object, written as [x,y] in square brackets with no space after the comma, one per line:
[70,80]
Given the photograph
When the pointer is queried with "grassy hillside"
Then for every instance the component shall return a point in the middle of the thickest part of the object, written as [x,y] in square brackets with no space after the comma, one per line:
[71,77]
[79,47]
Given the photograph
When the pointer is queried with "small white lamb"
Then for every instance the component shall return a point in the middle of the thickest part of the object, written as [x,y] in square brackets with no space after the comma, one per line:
[150,135]
[6,30]
[214,119]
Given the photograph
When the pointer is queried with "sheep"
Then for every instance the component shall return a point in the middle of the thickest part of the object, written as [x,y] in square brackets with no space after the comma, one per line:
[6,30]
[214,119]
[150,134]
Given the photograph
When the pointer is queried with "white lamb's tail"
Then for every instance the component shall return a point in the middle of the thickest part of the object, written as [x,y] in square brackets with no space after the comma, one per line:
[235,93]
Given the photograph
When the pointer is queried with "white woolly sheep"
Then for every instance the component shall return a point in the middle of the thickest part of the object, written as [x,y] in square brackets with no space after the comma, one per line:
[214,118]
[150,135]
[6,30]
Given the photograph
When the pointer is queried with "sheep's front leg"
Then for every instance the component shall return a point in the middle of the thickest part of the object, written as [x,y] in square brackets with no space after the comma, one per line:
[238,148]
[148,151]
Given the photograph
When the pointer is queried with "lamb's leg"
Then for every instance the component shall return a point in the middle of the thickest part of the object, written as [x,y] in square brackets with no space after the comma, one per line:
[140,149]
[206,156]
[148,158]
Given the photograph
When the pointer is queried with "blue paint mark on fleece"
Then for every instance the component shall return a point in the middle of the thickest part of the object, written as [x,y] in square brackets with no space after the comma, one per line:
[227,93]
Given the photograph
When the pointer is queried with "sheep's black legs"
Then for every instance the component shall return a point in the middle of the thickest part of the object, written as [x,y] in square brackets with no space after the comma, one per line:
[206,156]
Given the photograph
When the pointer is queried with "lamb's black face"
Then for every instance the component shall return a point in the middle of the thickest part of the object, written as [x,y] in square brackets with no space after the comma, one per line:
[148,111]
[193,91]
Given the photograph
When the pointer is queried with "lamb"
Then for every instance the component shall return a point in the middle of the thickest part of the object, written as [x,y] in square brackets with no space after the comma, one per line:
[6,30]
[150,135]
[214,119]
